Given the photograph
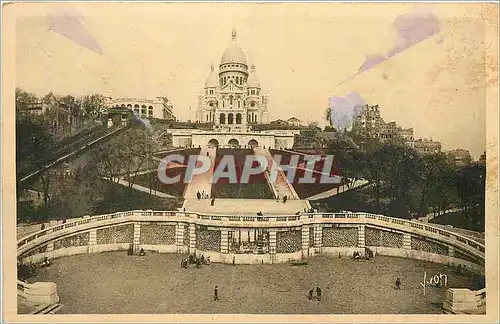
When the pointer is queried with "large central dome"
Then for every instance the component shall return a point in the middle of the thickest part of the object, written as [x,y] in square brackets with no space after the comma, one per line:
[233,53]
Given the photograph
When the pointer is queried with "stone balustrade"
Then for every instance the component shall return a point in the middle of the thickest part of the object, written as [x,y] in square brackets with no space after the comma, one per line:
[315,233]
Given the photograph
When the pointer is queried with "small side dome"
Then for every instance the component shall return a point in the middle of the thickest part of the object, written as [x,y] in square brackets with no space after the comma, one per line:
[212,80]
[253,81]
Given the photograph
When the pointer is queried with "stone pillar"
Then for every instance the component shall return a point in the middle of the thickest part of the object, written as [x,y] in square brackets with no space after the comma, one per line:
[137,237]
[179,237]
[50,246]
[451,251]
[305,241]
[318,235]
[224,242]
[192,238]
[361,237]
[93,237]
[272,245]
[407,241]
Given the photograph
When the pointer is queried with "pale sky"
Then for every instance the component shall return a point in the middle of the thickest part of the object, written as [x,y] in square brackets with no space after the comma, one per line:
[302,53]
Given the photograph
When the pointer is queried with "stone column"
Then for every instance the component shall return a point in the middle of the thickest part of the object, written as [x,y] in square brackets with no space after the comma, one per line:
[93,237]
[305,241]
[50,246]
[407,241]
[361,237]
[192,238]
[451,251]
[179,237]
[224,242]
[137,237]
[318,235]
[272,245]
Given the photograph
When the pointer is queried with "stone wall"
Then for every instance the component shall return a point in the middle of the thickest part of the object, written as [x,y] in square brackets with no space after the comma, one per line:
[340,237]
[466,257]
[288,241]
[185,238]
[157,234]
[41,249]
[207,240]
[80,239]
[116,234]
[428,246]
[375,237]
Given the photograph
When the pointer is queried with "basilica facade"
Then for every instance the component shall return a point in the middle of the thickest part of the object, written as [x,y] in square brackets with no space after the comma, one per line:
[233,101]
[233,98]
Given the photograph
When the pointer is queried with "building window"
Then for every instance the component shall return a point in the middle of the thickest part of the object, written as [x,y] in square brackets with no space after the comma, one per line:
[136,111]
[230,119]
[253,92]
[150,110]
[230,100]
[238,118]
[222,119]
[252,104]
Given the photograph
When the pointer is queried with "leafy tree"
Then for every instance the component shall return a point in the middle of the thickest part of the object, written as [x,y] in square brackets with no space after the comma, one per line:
[24,100]
[328,116]
[438,189]
[124,155]
[470,182]
[93,106]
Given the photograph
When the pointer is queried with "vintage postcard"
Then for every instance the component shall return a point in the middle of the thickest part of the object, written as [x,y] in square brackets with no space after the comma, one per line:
[267,162]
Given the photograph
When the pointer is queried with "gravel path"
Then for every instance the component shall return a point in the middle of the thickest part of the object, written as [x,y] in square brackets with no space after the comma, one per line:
[112,283]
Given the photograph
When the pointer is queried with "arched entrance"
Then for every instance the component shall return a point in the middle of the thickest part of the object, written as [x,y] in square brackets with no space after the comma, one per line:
[253,143]
[213,142]
[233,143]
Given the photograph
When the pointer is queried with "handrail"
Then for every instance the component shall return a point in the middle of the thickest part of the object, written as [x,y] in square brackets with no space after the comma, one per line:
[268,218]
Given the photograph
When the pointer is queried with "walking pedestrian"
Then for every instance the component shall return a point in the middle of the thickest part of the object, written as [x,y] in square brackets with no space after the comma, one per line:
[212,202]
[198,195]
[398,283]
[234,260]
[216,293]
[318,293]
[203,194]
[277,198]
[310,295]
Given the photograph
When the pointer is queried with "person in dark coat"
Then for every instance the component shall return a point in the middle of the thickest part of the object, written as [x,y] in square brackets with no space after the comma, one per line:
[212,202]
[234,260]
[310,295]
[198,195]
[318,293]
[398,283]
[216,293]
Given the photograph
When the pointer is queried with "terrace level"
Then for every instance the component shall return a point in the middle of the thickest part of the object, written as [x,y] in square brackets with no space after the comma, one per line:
[254,239]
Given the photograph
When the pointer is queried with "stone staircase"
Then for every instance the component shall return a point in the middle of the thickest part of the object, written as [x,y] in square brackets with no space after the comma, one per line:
[280,186]
[202,182]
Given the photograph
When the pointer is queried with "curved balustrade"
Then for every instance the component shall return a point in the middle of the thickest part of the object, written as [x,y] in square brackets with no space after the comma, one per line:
[446,236]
